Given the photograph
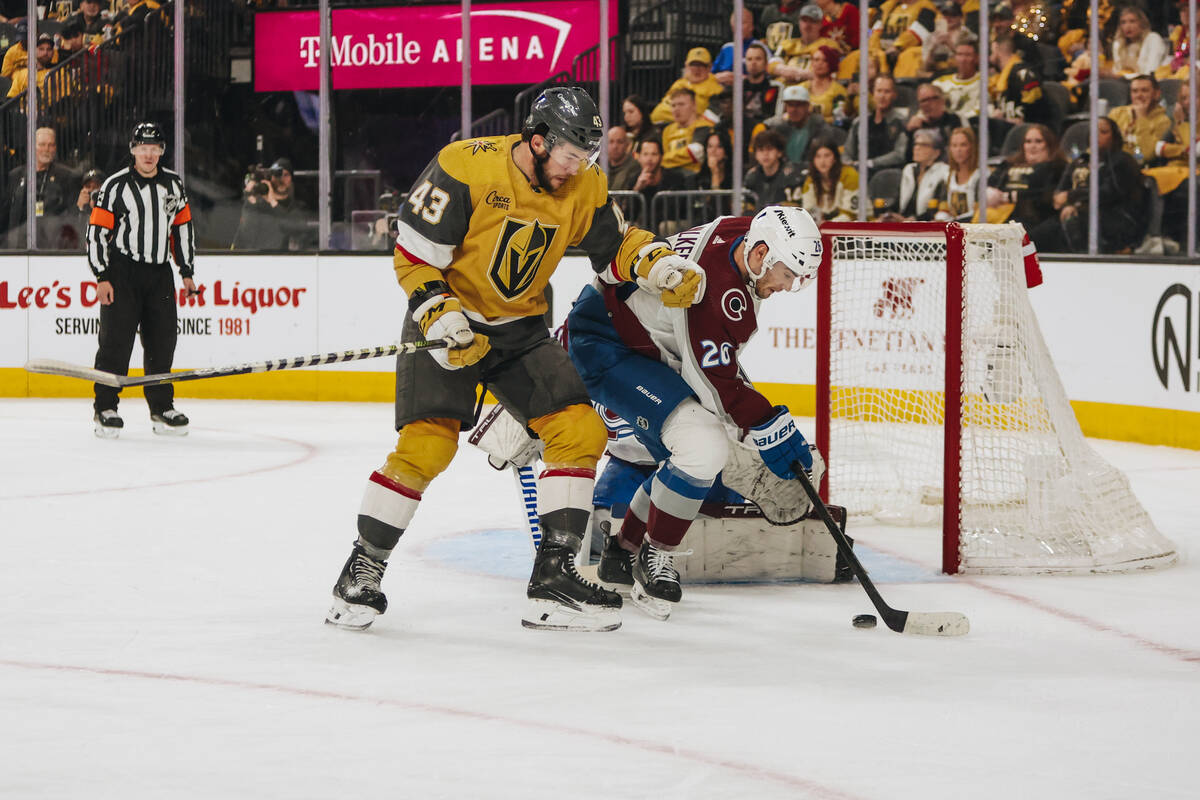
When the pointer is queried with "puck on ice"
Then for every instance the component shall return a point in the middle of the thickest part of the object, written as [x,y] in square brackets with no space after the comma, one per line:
[865,621]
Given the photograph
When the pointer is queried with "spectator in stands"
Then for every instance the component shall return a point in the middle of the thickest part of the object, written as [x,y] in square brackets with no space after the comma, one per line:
[653,178]
[825,94]
[938,49]
[1122,222]
[635,111]
[887,141]
[760,93]
[780,21]
[1144,121]
[93,179]
[1172,177]
[16,58]
[923,181]
[55,187]
[92,20]
[134,14]
[47,56]
[900,25]
[932,113]
[1016,88]
[962,181]
[961,89]
[1176,65]
[796,126]
[723,65]
[797,52]
[773,179]
[1136,50]
[1001,17]
[1022,190]
[683,139]
[830,192]
[716,174]
[72,40]
[623,168]
[841,23]
[272,217]
[697,76]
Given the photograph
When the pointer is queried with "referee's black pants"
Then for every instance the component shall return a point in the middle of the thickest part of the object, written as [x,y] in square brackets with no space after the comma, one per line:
[143,294]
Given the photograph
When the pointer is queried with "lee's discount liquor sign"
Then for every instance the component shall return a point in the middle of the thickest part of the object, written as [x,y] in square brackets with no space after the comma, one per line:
[376,48]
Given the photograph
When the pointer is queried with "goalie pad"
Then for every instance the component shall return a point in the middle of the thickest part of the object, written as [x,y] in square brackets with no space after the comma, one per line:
[782,502]
[506,441]
[737,543]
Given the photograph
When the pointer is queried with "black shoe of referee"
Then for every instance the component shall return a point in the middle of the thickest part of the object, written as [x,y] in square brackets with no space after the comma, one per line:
[169,423]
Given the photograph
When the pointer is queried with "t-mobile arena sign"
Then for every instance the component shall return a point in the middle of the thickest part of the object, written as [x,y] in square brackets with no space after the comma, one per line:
[376,48]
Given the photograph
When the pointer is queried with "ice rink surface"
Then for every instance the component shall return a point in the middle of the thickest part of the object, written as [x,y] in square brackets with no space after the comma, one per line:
[161,636]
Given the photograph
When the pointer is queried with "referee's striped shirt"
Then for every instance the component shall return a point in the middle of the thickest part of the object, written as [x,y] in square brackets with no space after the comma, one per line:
[146,219]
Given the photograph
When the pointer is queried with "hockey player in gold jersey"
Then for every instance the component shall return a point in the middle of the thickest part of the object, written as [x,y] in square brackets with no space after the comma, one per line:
[482,230]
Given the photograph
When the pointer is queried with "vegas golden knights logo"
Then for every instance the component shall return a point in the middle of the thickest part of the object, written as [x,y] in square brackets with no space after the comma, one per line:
[519,253]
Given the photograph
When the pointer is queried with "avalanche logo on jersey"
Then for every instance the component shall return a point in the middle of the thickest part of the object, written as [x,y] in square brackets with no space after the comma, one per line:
[519,252]
[733,303]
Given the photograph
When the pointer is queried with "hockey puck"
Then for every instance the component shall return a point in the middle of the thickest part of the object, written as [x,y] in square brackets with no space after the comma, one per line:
[865,621]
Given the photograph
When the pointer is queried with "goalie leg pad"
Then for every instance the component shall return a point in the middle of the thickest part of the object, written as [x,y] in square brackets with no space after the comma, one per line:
[424,449]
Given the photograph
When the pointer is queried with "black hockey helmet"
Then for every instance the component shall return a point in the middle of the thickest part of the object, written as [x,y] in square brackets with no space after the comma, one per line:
[565,114]
[147,133]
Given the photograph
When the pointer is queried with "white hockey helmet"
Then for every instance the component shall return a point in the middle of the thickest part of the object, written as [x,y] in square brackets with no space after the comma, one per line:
[792,239]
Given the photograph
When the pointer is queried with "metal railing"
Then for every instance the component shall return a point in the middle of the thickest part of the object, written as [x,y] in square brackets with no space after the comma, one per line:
[679,209]
[495,123]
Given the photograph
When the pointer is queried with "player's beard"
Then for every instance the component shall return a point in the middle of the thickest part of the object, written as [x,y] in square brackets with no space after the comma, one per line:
[543,180]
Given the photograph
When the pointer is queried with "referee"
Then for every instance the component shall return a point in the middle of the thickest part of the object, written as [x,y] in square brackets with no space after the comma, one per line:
[141,221]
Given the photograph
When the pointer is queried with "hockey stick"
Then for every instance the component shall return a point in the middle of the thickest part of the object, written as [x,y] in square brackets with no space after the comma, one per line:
[527,486]
[47,366]
[926,623]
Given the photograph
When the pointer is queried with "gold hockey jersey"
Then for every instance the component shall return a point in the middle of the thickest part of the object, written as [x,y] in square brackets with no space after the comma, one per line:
[473,220]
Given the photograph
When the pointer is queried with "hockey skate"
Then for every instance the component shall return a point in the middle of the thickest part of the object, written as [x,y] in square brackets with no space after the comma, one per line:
[108,424]
[169,423]
[357,598]
[615,570]
[559,598]
[655,581]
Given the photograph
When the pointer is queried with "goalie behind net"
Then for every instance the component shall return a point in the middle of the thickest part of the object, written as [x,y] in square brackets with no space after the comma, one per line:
[1023,490]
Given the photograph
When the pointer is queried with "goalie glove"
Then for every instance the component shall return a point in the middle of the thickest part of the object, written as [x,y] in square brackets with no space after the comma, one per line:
[780,443]
[676,280]
[505,440]
[439,316]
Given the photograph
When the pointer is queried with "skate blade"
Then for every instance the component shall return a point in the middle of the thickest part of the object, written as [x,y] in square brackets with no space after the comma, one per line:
[547,615]
[163,429]
[106,433]
[659,609]
[355,618]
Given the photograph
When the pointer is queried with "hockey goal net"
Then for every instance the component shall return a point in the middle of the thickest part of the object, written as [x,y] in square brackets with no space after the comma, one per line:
[938,404]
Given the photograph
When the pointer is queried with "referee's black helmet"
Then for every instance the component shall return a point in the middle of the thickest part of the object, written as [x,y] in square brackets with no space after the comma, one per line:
[565,114]
[147,133]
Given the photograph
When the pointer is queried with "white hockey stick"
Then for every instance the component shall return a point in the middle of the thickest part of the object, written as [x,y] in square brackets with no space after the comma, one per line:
[926,623]
[48,366]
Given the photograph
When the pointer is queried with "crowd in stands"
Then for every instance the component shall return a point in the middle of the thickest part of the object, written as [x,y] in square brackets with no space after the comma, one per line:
[64,29]
[801,125]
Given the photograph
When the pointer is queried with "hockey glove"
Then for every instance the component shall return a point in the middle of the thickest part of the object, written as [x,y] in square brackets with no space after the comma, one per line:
[780,442]
[439,315]
[679,282]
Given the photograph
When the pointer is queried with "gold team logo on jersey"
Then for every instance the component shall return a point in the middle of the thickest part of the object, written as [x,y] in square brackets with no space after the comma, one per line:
[519,253]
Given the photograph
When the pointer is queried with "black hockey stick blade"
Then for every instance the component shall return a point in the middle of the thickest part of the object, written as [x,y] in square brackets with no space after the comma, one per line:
[48,366]
[924,623]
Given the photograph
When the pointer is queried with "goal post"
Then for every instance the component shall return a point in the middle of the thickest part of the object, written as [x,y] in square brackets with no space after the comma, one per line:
[938,404]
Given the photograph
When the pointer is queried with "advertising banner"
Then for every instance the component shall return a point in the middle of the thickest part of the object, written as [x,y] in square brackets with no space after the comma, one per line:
[401,46]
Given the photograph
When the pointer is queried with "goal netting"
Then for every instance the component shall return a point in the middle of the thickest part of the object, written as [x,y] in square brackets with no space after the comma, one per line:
[938,404]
